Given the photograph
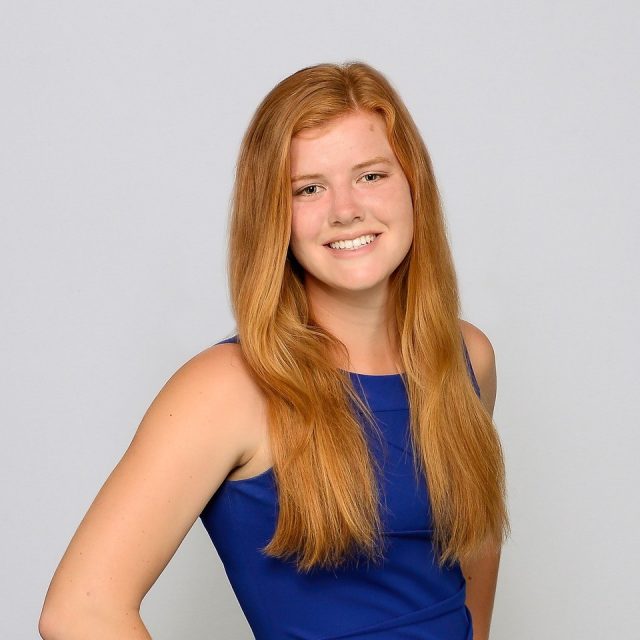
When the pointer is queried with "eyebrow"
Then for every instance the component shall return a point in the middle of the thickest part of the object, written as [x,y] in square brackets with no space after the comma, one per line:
[360,165]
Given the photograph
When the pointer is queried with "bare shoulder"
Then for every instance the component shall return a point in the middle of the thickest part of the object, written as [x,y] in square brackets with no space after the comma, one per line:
[226,363]
[220,373]
[483,361]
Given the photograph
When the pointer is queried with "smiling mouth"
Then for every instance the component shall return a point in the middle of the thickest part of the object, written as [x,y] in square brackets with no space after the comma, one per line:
[352,245]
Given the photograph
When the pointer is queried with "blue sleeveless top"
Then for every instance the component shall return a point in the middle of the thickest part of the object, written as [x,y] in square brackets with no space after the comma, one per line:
[406,597]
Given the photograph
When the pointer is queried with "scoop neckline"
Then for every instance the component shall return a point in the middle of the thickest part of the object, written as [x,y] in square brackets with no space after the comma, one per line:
[374,375]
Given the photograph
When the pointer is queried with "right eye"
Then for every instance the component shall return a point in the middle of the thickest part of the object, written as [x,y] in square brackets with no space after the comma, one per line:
[309,190]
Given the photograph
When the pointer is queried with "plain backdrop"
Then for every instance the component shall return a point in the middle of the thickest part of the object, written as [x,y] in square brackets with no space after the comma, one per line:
[119,129]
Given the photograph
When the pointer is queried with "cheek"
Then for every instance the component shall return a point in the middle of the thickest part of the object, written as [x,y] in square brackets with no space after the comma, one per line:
[305,225]
[408,209]
[301,233]
[297,231]
[408,222]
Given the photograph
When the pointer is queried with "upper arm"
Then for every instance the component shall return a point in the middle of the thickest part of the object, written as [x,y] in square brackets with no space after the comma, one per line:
[191,436]
[481,573]
[483,362]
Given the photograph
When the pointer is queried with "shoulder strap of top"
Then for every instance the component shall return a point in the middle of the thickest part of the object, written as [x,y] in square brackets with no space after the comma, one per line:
[472,375]
[233,338]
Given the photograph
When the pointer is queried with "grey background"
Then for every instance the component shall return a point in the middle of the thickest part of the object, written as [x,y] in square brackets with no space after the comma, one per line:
[119,132]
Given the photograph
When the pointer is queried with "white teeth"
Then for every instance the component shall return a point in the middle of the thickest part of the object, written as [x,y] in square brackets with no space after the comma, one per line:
[352,244]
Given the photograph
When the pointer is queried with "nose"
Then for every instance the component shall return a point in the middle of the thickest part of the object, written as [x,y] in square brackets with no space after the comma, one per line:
[345,206]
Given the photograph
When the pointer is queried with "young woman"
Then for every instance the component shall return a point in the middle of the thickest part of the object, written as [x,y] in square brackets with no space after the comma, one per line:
[339,448]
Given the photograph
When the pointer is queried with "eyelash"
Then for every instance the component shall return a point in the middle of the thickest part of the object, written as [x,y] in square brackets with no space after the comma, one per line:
[300,192]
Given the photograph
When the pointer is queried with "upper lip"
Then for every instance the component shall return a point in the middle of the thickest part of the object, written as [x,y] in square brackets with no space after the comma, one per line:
[354,236]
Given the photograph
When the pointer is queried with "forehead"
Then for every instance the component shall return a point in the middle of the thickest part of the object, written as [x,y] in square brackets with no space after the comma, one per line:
[346,138]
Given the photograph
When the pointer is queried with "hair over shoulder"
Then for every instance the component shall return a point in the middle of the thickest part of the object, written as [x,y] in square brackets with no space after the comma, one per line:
[325,474]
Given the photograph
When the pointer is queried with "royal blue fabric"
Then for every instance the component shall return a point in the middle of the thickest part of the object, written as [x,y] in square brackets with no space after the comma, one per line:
[406,597]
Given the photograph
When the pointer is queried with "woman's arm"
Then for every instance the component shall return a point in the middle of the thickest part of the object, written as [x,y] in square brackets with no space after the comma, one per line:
[193,434]
[482,576]
[481,573]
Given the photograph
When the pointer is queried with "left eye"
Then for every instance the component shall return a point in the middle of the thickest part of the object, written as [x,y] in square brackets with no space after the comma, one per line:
[371,177]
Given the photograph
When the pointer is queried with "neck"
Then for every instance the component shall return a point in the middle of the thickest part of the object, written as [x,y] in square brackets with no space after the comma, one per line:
[363,322]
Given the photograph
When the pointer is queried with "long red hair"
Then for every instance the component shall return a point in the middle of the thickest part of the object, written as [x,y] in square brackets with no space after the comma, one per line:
[325,473]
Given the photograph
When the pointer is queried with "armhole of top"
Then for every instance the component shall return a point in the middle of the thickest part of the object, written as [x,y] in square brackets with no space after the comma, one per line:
[472,374]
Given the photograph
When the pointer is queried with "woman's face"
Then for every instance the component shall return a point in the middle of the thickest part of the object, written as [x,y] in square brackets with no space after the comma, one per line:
[348,186]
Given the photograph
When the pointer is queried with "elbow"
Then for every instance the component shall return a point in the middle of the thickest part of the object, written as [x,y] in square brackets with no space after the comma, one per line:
[70,621]
[62,622]
[48,625]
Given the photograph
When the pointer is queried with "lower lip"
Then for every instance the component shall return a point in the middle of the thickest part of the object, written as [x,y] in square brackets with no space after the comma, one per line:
[352,253]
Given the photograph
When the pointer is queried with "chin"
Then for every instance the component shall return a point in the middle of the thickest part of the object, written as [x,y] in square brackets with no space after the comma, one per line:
[360,286]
